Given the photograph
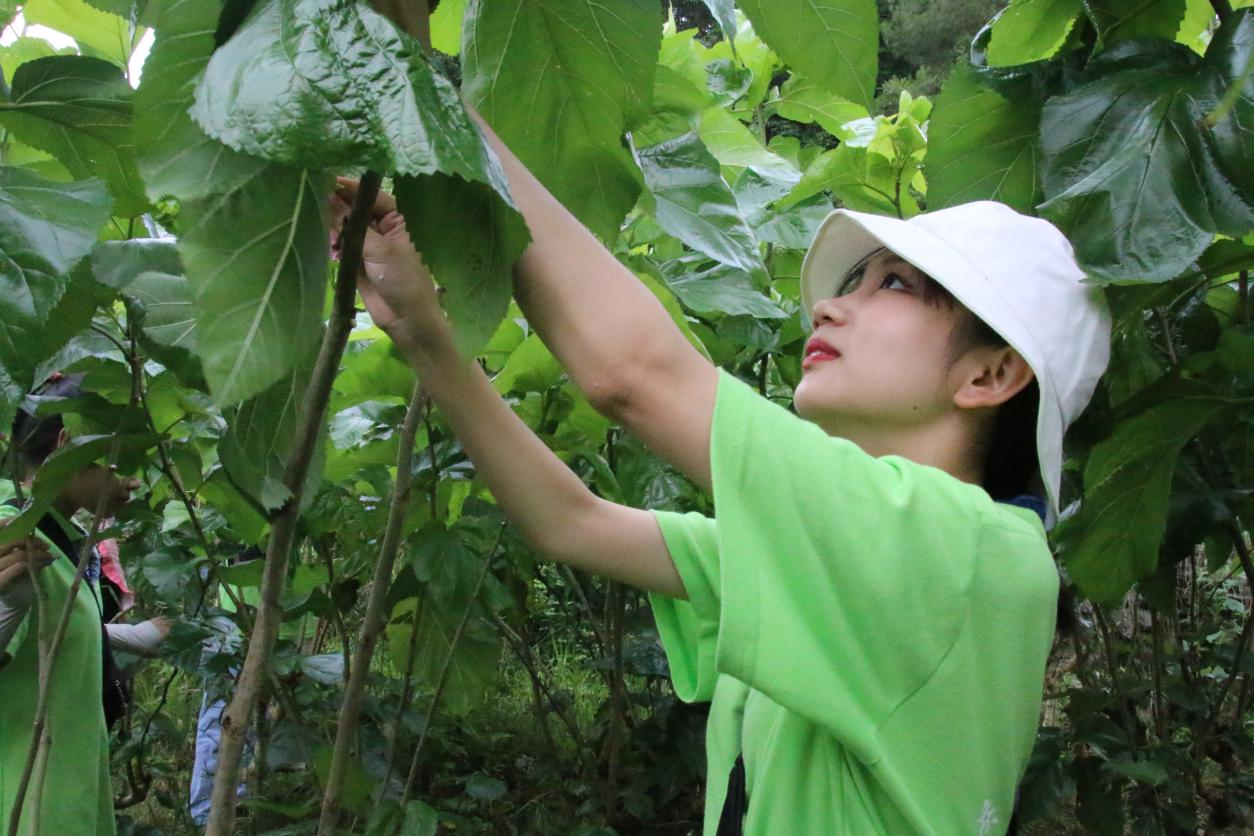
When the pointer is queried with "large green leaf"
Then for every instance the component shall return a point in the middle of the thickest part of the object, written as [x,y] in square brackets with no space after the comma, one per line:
[981,146]
[45,229]
[801,100]
[149,273]
[833,42]
[446,26]
[256,257]
[27,344]
[26,48]
[1118,20]
[79,110]
[332,83]
[173,154]
[472,258]
[690,200]
[731,143]
[168,314]
[1126,168]
[118,263]
[97,32]
[1031,30]
[1232,51]
[720,289]
[585,71]
[1113,541]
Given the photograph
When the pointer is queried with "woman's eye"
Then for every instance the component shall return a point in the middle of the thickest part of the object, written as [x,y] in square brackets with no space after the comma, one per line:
[893,279]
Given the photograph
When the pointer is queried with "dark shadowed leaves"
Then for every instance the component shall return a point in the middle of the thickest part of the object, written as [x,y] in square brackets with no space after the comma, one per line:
[472,258]
[1113,541]
[1128,172]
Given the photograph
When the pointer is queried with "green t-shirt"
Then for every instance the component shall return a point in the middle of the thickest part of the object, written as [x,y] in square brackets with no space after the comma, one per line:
[77,797]
[873,633]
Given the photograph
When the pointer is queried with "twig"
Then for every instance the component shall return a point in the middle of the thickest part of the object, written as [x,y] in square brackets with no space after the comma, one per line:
[283,527]
[372,623]
[337,619]
[407,690]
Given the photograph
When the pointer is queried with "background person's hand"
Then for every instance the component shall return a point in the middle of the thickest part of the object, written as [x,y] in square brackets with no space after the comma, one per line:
[395,286]
[163,625]
[14,559]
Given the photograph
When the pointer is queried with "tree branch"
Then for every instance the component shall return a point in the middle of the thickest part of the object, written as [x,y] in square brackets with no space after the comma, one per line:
[283,527]
[372,623]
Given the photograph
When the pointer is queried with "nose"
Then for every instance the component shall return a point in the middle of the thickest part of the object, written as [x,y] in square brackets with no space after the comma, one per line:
[831,310]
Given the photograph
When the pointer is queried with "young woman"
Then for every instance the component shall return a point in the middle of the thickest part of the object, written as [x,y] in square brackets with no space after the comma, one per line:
[869,620]
[77,796]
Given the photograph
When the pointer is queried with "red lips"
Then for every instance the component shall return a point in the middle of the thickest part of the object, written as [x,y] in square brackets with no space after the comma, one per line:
[817,351]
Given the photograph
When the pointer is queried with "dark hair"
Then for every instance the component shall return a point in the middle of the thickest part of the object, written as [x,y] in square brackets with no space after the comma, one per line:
[1010,464]
[35,437]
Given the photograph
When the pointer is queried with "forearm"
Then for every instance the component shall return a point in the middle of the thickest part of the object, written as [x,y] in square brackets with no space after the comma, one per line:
[607,329]
[552,508]
[143,639]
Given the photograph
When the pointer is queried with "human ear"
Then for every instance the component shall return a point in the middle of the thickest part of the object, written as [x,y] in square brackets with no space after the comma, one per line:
[991,377]
[63,438]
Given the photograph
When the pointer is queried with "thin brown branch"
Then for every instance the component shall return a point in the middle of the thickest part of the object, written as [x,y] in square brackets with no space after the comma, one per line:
[283,527]
[372,623]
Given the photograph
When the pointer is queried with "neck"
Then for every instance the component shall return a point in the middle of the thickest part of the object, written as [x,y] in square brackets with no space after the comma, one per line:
[946,444]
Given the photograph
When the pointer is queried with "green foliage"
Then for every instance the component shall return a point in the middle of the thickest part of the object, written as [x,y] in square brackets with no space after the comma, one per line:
[829,41]
[1031,30]
[473,259]
[78,110]
[688,198]
[582,85]
[1114,540]
[982,145]
[180,264]
[1123,146]
[258,297]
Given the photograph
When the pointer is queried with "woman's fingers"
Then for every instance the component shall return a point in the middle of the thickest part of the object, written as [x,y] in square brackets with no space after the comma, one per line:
[346,189]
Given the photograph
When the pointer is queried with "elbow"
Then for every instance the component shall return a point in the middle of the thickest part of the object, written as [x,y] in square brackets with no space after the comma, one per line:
[610,395]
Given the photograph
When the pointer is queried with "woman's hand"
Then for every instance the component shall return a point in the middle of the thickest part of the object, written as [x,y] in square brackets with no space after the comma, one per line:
[15,558]
[394,284]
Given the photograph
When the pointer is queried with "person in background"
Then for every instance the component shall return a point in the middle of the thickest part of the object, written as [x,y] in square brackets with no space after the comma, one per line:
[87,692]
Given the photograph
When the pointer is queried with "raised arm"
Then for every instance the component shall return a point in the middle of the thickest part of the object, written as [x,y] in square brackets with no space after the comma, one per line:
[608,330]
[551,506]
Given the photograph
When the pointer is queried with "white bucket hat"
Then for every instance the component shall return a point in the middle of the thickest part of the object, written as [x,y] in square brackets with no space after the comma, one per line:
[1014,272]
